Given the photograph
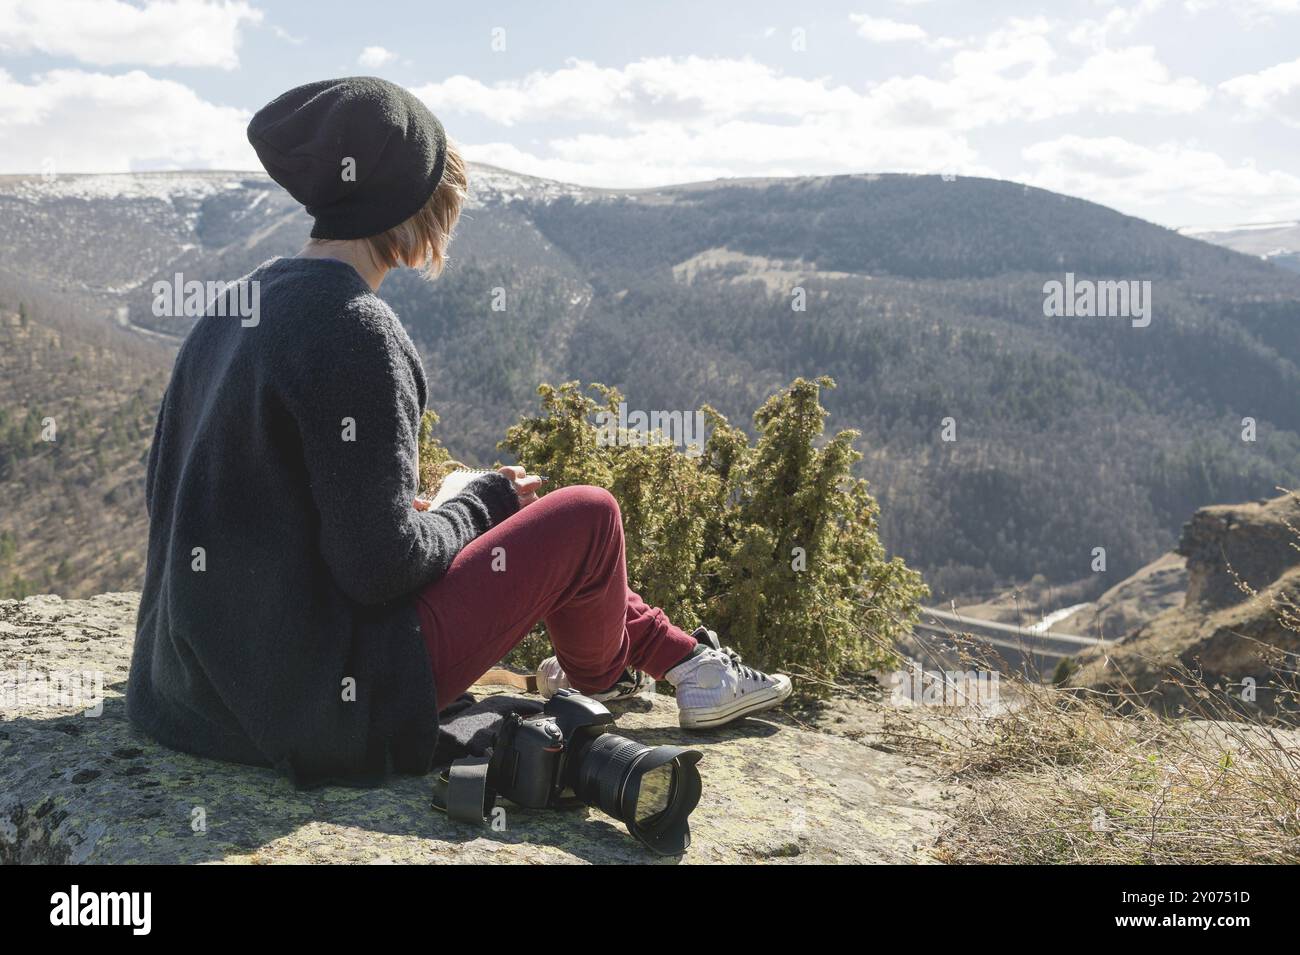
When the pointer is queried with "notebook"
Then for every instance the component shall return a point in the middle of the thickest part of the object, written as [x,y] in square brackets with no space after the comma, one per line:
[457,481]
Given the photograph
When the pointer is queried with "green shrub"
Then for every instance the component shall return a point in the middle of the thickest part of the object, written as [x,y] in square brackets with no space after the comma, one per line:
[433,456]
[774,544]
[1063,671]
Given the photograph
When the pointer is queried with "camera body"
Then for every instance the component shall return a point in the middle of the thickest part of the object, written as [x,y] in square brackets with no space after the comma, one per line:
[535,758]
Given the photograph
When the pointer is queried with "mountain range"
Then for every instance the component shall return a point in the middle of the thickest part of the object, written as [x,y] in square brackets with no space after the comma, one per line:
[1276,242]
[1003,443]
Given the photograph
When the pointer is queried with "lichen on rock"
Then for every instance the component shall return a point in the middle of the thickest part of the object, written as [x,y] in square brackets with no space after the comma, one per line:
[89,788]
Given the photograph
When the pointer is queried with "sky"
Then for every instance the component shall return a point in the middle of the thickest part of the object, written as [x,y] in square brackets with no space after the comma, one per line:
[1183,112]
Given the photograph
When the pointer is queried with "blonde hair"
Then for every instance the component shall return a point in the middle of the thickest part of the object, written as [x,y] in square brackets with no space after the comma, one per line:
[421,241]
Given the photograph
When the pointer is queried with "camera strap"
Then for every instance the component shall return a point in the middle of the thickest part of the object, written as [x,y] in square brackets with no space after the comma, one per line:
[465,795]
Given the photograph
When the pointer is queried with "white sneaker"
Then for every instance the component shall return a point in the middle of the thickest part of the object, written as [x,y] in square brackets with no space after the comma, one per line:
[715,688]
[551,677]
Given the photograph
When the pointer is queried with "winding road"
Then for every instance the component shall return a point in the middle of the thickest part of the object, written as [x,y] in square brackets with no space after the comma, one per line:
[1004,636]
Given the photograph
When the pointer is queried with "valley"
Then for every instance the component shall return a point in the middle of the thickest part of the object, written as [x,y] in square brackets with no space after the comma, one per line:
[922,297]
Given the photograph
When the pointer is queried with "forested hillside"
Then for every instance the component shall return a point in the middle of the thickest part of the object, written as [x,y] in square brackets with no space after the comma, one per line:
[924,300]
[77,406]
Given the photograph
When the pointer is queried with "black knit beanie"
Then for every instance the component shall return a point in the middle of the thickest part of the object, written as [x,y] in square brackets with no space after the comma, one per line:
[396,147]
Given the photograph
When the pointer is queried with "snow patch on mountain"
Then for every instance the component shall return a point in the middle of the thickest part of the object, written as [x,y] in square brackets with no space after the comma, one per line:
[491,185]
[162,186]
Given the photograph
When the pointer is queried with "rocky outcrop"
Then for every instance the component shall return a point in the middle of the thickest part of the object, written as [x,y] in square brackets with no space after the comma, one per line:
[1235,544]
[78,786]
[1236,629]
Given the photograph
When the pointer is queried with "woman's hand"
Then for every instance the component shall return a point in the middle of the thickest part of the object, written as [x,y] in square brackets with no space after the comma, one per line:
[525,486]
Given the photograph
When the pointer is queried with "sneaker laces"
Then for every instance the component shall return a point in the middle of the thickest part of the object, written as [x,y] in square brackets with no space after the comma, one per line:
[630,678]
[734,661]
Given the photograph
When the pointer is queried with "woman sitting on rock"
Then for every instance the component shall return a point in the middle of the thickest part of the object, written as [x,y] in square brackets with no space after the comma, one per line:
[300,608]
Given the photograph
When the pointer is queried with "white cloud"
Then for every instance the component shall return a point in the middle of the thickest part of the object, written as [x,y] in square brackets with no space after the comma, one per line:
[1274,91]
[689,89]
[1118,19]
[93,122]
[1010,76]
[373,57]
[881,30]
[666,119]
[105,32]
[286,36]
[1117,172]
[1257,11]
[669,152]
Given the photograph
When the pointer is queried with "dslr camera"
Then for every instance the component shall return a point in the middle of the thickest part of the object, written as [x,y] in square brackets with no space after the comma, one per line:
[568,748]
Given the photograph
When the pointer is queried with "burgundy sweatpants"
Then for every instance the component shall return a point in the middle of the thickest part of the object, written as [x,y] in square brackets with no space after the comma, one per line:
[560,559]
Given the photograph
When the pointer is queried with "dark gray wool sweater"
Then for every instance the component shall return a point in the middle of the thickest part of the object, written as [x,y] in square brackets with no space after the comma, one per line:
[277,625]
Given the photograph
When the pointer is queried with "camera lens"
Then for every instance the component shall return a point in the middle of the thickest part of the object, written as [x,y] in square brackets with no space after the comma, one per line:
[655,793]
[651,789]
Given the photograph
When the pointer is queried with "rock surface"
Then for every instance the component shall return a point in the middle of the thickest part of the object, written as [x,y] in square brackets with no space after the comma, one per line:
[82,788]
[1231,544]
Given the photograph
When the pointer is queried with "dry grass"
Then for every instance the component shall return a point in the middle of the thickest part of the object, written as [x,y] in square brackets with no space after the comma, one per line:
[1062,779]
[1071,776]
